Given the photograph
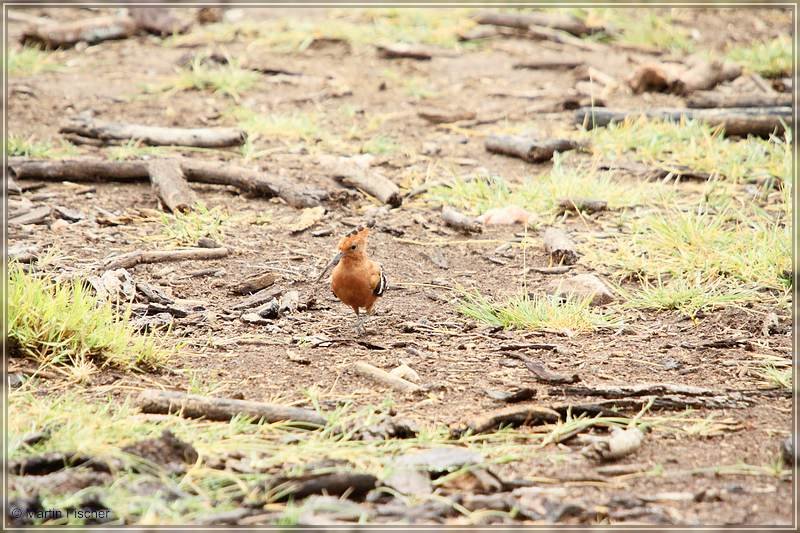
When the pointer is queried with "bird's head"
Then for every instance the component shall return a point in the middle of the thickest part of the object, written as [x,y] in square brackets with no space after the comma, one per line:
[354,243]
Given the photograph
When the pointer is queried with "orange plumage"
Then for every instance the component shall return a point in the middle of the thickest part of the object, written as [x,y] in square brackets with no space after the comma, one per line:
[356,280]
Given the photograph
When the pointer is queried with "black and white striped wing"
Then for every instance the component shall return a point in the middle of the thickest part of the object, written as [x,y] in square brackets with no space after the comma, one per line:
[382,285]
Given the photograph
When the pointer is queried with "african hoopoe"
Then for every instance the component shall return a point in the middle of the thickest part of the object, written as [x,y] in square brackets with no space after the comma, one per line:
[357,281]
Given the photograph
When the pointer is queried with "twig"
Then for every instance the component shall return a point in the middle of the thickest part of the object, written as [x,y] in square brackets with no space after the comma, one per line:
[139,257]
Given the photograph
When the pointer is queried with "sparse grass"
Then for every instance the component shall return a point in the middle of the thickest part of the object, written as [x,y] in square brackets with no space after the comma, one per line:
[359,27]
[639,27]
[17,145]
[688,297]
[543,193]
[776,376]
[62,325]
[695,145]
[537,313]
[230,79]
[768,58]
[134,149]
[380,145]
[283,127]
[29,60]
[751,251]
[187,228]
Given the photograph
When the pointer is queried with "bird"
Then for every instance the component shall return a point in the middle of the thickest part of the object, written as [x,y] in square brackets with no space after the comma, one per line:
[356,280]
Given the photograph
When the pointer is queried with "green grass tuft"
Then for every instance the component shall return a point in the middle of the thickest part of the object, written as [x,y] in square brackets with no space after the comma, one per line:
[288,127]
[29,60]
[771,59]
[543,193]
[688,297]
[63,325]
[695,145]
[17,145]
[753,251]
[230,79]
[538,313]
[187,228]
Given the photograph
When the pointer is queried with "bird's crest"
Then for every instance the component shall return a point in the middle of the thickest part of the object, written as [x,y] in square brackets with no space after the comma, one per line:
[356,236]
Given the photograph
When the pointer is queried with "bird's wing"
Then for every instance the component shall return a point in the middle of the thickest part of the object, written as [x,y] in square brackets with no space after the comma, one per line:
[377,280]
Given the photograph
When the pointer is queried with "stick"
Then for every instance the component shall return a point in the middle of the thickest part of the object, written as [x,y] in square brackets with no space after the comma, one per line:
[567,23]
[442,116]
[581,205]
[169,184]
[509,416]
[411,51]
[255,283]
[253,181]
[156,135]
[352,175]
[159,21]
[368,371]
[140,257]
[460,221]
[560,247]
[707,99]
[552,64]
[193,406]
[544,374]
[244,179]
[611,391]
[530,150]
[562,37]
[740,121]
[90,30]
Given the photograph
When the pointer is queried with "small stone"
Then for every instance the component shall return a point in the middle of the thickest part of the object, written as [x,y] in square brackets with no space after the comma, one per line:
[583,286]
[254,318]
[787,450]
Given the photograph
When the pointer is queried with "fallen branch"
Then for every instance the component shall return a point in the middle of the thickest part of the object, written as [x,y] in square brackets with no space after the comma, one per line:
[560,247]
[170,186]
[563,37]
[567,23]
[411,51]
[552,64]
[140,257]
[352,484]
[253,181]
[654,173]
[352,174]
[681,79]
[510,416]
[581,205]
[244,179]
[381,376]
[527,149]
[707,99]
[193,406]
[159,21]
[255,283]
[89,30]
[460,221]
[113,132]
[443,116]
[612,391]
[740,121]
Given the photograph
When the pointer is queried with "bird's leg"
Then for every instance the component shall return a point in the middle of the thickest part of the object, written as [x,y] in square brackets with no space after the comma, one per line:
[359,322]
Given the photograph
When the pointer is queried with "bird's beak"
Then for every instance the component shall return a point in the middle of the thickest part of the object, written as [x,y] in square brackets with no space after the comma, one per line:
[333,263]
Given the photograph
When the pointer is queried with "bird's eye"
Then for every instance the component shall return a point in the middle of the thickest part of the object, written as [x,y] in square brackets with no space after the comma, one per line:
[353,247]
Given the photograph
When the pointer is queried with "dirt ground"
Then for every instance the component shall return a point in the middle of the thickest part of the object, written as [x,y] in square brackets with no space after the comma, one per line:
[415,321]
